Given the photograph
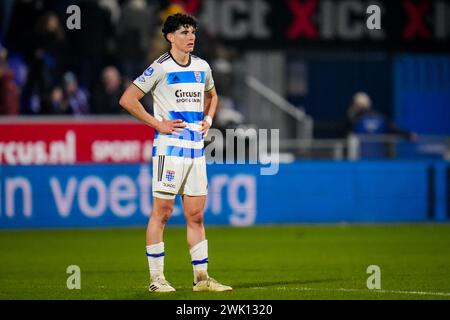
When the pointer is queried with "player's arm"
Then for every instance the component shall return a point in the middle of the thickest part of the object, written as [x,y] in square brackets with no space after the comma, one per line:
[130,101]
[211,102]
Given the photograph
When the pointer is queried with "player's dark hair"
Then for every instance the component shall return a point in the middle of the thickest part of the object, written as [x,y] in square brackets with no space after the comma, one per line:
[176,21]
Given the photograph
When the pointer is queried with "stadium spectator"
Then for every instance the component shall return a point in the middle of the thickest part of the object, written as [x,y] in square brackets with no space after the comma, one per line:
[75,98]
[46,62]
[50,44]
[108,92]
[9,94]
[362,119]
[20,69]
[58,103]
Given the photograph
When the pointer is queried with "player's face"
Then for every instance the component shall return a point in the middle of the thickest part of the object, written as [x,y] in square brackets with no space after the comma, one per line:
[184,39]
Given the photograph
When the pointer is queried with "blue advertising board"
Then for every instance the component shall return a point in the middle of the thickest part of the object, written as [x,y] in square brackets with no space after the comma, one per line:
[238,195]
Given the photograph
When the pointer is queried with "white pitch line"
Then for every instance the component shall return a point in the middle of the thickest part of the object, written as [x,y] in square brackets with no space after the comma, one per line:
[445,294]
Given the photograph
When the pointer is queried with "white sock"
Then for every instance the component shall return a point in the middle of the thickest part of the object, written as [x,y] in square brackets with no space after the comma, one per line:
[155,256]
[199,258]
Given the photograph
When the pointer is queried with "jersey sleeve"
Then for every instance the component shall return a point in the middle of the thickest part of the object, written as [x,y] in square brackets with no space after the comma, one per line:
[209,81]
[149,78]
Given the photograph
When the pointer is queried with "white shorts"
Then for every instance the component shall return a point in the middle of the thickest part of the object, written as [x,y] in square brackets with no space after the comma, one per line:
[178,175]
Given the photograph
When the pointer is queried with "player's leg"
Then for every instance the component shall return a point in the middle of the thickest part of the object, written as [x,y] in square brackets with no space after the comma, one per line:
[161,211]
[193,207]
[198,245]
[194,212]
[165,183]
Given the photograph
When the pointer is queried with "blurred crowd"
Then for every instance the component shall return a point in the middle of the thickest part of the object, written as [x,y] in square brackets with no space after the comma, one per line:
[48,69]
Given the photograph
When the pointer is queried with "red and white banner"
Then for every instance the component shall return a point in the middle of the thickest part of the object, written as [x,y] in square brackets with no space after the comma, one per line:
[74,141]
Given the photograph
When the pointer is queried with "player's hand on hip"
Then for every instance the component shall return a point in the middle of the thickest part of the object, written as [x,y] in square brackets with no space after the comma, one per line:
[204,127]
[170,126]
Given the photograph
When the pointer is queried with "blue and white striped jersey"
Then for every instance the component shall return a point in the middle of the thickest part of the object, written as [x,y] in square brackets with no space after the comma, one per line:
[178,93]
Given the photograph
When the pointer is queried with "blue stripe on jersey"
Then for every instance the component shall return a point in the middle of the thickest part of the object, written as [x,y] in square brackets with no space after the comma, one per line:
[187,116]
[180,152]
[196,262]
[186,134]
[186,77]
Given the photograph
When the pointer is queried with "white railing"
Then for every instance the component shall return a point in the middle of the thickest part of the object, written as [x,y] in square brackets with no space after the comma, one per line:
[304,122]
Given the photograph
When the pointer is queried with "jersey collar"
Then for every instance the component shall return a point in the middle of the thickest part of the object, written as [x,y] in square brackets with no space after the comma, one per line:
[181,65]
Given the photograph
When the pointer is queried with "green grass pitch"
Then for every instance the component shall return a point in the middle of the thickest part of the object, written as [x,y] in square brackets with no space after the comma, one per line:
[264,262]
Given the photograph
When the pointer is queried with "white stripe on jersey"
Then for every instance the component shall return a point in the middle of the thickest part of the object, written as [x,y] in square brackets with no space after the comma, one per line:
[182,143]
[193,126]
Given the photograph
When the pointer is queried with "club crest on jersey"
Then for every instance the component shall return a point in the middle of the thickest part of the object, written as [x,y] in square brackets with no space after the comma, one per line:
[198,76]
[149,71]
[170,175]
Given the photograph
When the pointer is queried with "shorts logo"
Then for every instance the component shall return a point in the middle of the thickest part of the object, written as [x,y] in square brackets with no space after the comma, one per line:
[168,185]
[148,72]
[170,175]
[198,76]
[141,79]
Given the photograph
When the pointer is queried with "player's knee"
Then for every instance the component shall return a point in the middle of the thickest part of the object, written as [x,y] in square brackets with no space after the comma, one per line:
[162,213]
[195,217]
